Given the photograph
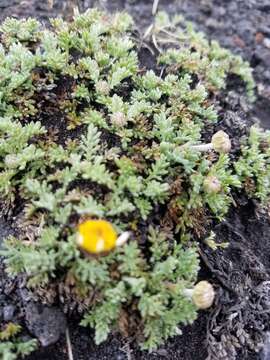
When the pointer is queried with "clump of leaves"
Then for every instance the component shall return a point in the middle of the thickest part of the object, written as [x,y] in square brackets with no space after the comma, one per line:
[253,166]
[86,133]
[11,346]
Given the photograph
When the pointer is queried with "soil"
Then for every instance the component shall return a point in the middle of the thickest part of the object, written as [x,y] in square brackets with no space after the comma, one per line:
[238,325]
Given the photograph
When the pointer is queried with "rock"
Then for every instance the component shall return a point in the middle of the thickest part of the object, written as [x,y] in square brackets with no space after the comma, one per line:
[239,41]
[266,43]
[121,357]
[8,312]
[220,11]
[265,29]
[259,37]
[3,299]
[264,8]
[213,23]
[162,352]
[25,295]
[5,231]
[265,354]
[44,322]
[264,56]
[267,75]
[6,3]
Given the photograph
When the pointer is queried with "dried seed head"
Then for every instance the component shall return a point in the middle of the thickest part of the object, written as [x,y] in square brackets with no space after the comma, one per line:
[118,119]
[212,184]
[102,87]
[221,142]
[203,295]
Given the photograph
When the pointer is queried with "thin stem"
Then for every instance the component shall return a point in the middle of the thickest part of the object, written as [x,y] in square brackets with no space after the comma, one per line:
[155,7]
[188,293]
[170,34]
[69,347]
[202,147]
[168,41]
[148,31]
[155,43]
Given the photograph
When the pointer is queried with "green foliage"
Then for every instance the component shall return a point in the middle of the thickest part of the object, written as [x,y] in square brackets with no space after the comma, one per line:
[11,350]
[86,133]
[11,346]
[193,54]
[253,166]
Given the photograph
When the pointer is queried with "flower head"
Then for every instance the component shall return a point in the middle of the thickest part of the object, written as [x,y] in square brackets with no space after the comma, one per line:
[12,161]
[102,87]
[212,184]
[203,295]
[96,236]
[221,142]
[118,119]
[99,236]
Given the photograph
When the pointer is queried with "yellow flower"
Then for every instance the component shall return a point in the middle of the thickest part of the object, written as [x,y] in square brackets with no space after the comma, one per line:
[96,236]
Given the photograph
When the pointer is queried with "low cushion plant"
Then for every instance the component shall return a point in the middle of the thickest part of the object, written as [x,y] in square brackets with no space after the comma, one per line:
[95,148]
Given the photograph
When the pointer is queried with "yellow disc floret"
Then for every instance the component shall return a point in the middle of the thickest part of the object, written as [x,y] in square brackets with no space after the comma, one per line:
[96,236]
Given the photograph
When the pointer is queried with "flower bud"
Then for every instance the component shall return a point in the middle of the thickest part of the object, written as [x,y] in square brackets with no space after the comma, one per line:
[203,295]
[102,87]
[221,142]
[118,119]
[211,184]
[11,161]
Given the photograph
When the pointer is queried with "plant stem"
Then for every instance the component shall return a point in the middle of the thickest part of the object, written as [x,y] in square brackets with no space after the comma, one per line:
[69,347]
[202,147]
[188,293]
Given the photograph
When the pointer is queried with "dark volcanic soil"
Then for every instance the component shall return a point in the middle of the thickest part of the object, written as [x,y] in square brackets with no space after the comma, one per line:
[242,271]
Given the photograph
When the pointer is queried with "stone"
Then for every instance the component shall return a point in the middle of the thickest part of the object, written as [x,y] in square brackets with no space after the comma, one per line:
[265,29]
[263,55]
[266,43]
[5,231]
[8,312]
[213,23]
[265,354]
[162,352]
[44,322]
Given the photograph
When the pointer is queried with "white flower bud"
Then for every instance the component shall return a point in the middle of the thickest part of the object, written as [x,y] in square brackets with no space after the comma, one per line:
[102,87]
[11,161]
[118,119]
[203,295]
[221,142]
[212,184]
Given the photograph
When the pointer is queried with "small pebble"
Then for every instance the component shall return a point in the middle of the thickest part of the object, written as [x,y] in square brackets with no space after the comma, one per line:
[239,41]
[265,29]
[162,352]
[213,23]
[259,37]
[8,312]
[265,354]
[120,357]
[266,43]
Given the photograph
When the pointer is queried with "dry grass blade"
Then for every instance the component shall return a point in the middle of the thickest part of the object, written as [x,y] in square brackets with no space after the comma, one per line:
[155,7]
[50,3]
[69,346]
